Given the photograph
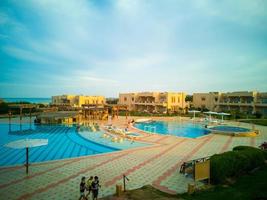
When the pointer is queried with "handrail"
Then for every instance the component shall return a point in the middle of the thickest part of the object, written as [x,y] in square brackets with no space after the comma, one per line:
[192,162]
[124,181]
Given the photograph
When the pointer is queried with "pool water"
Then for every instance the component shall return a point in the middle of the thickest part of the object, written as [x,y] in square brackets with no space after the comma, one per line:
[181,129]
[63,142]
[230,129]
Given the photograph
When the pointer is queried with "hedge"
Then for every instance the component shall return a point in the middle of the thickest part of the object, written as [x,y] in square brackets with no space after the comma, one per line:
[234,163]
[239,148]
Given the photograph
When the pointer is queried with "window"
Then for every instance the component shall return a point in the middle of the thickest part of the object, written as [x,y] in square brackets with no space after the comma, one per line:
[125,98]
[132,98]
[203,99]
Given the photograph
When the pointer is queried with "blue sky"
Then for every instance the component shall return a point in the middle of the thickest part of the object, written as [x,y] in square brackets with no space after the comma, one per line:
[103,47]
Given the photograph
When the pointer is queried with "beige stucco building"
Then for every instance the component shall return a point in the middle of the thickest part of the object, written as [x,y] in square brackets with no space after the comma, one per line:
[77,100]
[205,100]
[154,101]
[243,101]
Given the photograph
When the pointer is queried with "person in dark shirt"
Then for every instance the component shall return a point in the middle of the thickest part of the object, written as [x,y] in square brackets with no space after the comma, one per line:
[82,189]
[95,188]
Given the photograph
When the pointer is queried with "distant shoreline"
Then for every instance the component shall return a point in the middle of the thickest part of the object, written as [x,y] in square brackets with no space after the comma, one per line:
[30,100]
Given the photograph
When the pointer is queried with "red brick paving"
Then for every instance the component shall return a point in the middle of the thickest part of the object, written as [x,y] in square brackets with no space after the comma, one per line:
[227,144]
[125,153]
[140,165]
[171,170]
[49,186]
[34,175]
[253,141]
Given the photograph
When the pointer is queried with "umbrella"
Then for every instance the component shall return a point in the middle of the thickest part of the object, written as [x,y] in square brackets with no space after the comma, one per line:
[210,113]
[27,143]
[223,114]
[194,111]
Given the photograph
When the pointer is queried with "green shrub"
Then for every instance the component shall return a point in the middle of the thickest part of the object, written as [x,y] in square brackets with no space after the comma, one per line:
[258,115]
[234,163]
[240,148]
[4,108]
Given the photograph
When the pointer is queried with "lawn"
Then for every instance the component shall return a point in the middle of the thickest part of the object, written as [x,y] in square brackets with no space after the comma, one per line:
[262,122]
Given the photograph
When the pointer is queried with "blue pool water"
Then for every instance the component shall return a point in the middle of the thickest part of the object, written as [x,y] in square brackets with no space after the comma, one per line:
[230,129]
[186,129]
[63,142]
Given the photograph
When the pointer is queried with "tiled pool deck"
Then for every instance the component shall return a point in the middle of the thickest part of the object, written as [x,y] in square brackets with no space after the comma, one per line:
[157,164]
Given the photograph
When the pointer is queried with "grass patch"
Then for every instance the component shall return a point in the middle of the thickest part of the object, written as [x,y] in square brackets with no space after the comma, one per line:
[262,122]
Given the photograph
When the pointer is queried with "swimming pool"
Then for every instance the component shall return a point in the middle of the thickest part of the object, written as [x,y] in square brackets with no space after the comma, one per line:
[181,129]
[63,142]
[230,129]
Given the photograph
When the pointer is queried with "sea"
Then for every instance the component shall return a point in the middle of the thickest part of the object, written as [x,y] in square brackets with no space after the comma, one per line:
[30,100]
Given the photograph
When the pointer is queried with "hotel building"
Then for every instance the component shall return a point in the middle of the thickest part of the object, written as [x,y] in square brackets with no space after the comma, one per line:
[160,102]
[77,100]
[205,100]
[244,101]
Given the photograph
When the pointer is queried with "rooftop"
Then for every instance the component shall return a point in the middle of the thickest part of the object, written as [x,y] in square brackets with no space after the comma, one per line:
[59,114]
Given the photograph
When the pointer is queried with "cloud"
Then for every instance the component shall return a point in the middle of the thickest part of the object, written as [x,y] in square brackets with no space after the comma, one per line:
[244,12]
[25,55]
[112,46]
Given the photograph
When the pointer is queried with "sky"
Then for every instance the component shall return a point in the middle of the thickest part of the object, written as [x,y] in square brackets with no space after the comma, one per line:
[107,47]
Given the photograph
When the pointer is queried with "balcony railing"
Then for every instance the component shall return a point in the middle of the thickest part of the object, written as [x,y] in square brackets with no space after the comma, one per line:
[234,103]
[261,104]
[150,103]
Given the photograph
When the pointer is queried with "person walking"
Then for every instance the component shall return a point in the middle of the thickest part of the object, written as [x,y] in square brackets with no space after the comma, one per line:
[95,187]
[89,185]
[82,189]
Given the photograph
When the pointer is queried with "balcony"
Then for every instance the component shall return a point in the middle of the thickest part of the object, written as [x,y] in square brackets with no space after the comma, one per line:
[146,94]
[150,103]
[143,103]
[161,104]
[261,104]
[234,103]
[246,104]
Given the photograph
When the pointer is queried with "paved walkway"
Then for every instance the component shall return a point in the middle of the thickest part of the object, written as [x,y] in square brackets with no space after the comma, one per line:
[157,164]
